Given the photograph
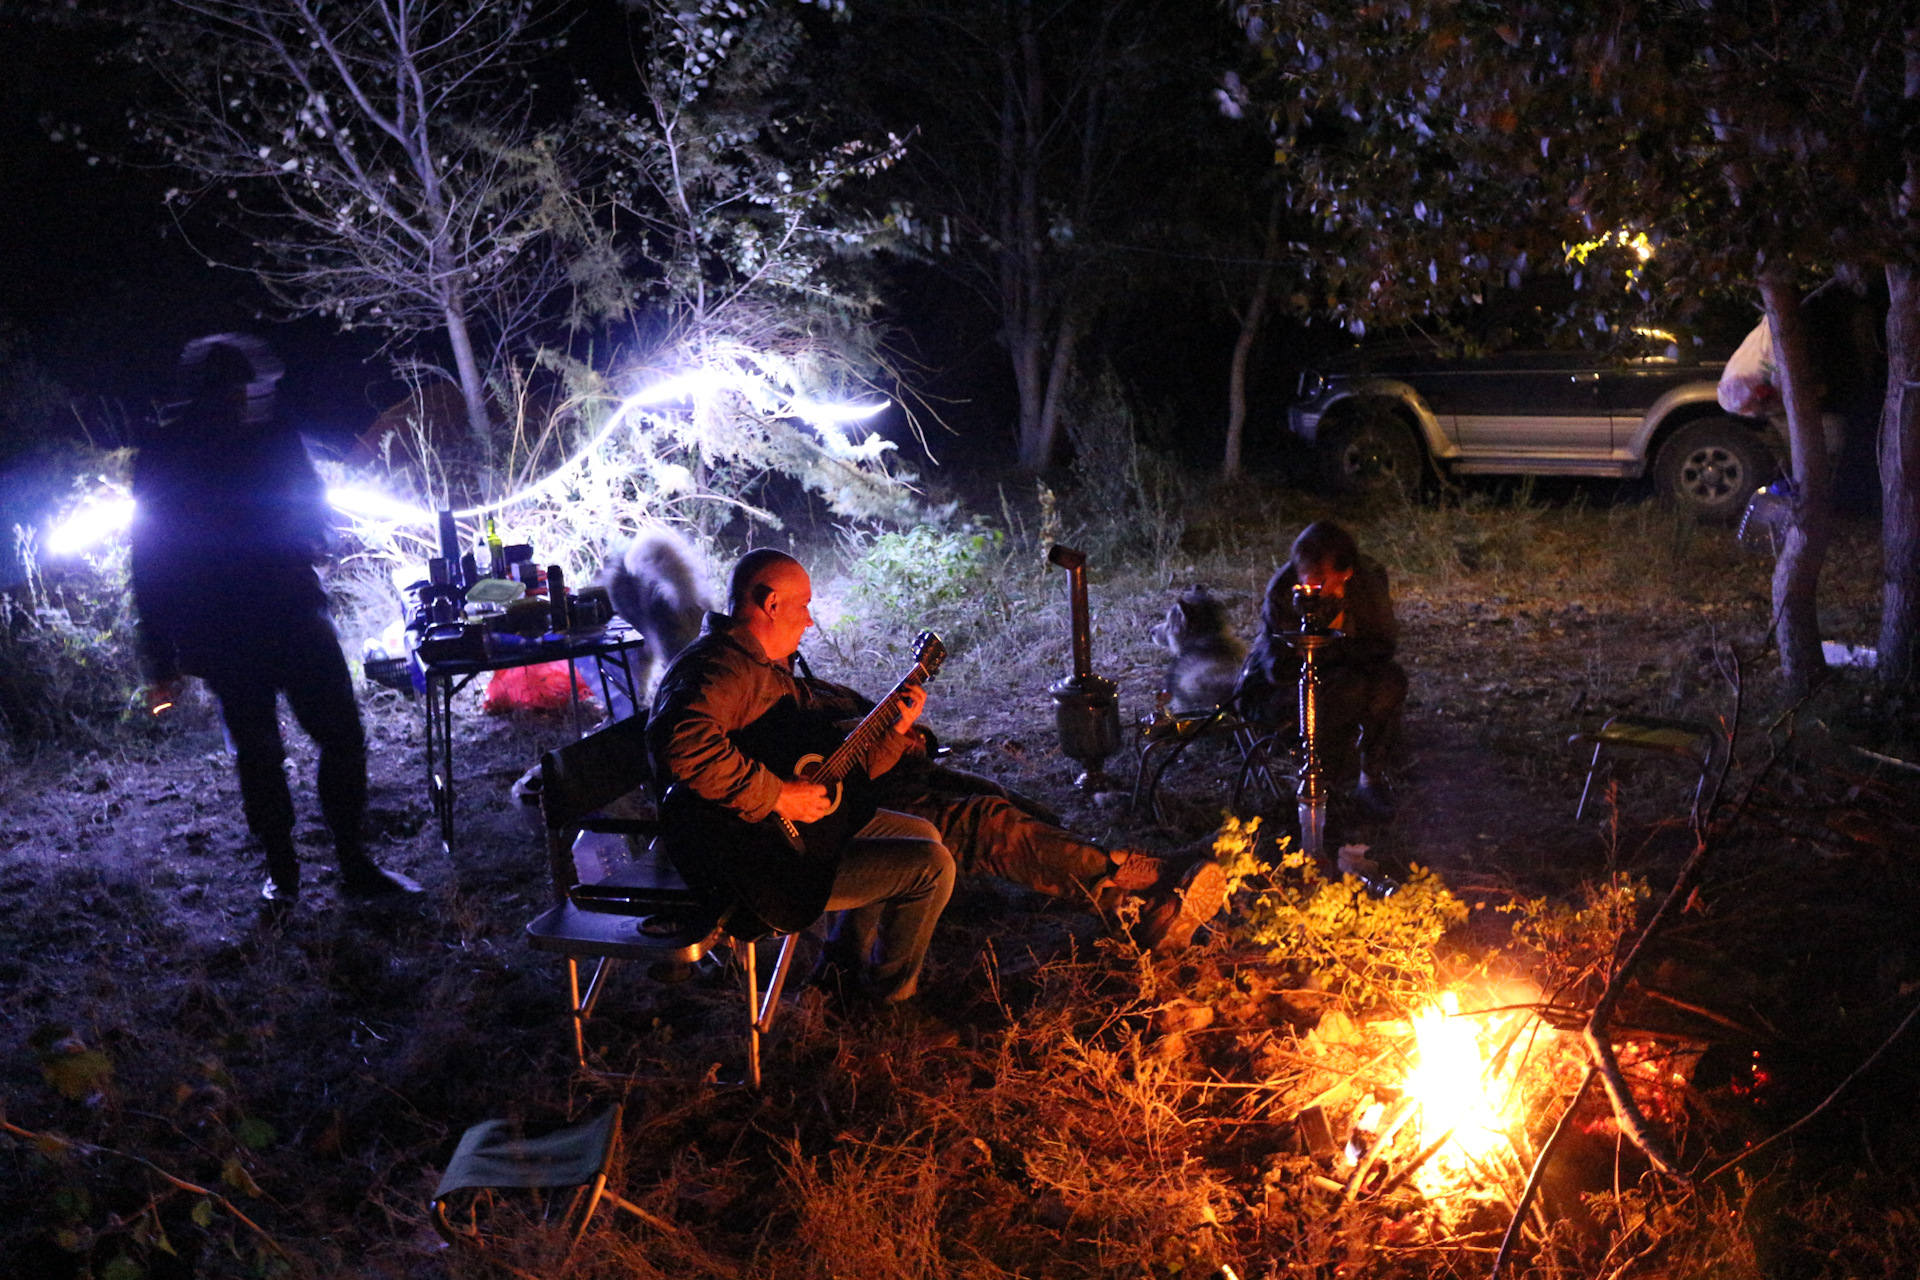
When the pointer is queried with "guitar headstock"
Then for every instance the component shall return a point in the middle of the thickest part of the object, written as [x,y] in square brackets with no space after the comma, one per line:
[929,653]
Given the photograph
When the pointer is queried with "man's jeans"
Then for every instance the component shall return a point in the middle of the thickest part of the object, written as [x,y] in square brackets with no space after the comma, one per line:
[892,883]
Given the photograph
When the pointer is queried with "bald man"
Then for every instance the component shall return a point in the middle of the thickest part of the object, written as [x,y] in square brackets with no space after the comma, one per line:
[889,882]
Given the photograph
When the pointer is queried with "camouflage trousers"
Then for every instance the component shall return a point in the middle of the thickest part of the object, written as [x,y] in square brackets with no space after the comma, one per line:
[992,833]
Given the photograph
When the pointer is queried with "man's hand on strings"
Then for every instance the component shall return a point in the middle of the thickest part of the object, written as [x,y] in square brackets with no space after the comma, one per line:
[803,802]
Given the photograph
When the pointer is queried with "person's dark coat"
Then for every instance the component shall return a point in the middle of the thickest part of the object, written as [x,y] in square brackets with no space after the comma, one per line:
[229,517]
[1369,636]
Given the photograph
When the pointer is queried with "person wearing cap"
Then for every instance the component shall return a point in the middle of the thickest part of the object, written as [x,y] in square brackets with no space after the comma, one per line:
[229,519]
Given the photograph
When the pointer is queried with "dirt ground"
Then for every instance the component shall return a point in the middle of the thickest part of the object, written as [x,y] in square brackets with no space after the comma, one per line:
[317,1070]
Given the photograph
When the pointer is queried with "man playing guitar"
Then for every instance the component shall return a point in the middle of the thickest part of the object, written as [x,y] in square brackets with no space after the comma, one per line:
[730,816]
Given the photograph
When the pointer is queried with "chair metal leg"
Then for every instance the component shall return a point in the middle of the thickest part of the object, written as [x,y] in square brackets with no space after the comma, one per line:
[1593,767]
[744,949]
[770,1006]
[762,1007]
[582,1008]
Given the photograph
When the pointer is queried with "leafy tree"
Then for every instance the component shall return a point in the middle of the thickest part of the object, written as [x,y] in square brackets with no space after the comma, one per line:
[742,257]
[1448,146]
[378,157]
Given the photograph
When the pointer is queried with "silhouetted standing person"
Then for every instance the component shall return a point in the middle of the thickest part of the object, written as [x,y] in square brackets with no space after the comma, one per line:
[229,518]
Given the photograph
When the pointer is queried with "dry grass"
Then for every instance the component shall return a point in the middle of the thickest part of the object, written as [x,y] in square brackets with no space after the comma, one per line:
[1104,1114]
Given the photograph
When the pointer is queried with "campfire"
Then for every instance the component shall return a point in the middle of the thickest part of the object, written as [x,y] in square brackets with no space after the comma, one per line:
[1446,1113]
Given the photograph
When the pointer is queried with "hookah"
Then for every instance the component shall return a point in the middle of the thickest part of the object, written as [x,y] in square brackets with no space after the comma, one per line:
[1311,788]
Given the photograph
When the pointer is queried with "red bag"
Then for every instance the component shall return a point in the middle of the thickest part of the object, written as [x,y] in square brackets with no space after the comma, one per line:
[541,687]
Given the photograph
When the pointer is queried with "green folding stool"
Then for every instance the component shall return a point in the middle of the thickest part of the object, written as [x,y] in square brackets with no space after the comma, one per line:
[495,1155]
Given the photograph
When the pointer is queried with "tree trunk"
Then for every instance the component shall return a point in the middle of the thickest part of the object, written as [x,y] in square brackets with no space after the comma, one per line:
[1023,100]
[1900,486]
[1796,576]
[473,389]
[1900,444]
[1047,438]
[1250,326]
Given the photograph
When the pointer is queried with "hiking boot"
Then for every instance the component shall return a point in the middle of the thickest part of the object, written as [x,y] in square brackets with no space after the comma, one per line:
[362,877]
[1169,921]
[1137,872]
[282,888]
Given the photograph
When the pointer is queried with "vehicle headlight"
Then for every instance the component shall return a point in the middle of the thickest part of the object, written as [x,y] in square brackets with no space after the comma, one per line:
[1311,384]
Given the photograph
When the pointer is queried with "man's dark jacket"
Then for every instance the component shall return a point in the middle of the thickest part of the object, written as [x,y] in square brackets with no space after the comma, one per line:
[718,686]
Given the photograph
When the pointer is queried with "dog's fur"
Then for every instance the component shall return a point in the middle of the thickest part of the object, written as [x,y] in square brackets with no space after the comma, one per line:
[655,585]
[1206,658]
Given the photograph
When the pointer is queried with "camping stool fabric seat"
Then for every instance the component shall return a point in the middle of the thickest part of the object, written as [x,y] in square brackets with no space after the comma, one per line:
[494,1155]
[1688,742]
[641,910]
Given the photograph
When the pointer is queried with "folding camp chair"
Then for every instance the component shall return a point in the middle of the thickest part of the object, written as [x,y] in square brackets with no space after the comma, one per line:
[639,911]
[1687,742]
[494,1155]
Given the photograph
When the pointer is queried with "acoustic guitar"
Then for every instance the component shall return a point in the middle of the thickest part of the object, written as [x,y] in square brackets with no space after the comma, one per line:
[805,745]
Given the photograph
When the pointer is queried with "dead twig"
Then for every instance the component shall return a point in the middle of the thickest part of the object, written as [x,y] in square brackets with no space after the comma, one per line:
[1825,1102]
[1539,1169]
[45,1140]
[1597,1035]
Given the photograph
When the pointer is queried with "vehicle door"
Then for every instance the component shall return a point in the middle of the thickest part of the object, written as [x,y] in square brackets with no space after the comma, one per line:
[1650,365]
[1532,405]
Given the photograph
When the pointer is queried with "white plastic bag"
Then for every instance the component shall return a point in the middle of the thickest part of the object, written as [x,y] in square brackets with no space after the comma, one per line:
[1746,384]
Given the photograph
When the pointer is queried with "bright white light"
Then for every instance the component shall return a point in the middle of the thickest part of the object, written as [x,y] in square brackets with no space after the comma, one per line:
[683,387]
[374,505]
[819,413]
[93,522]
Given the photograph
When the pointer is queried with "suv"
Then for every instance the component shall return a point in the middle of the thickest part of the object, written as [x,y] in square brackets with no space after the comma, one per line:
[1383,414]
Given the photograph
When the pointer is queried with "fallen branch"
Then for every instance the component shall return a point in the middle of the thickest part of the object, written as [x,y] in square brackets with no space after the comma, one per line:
[1826,1102]
[1632,1121]
[1539,1169]
[77,1147]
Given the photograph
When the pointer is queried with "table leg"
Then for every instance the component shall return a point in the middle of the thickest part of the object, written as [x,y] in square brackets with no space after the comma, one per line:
[601,662]
[440,754]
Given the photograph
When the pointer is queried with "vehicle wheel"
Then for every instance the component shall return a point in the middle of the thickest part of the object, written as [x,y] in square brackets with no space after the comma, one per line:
[1710,468]
[1368,449]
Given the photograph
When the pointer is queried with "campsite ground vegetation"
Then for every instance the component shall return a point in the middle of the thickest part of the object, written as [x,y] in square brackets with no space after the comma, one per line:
[1105,1112]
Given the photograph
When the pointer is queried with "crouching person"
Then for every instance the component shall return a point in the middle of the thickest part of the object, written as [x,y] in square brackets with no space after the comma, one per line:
[889,882]
[1362,689]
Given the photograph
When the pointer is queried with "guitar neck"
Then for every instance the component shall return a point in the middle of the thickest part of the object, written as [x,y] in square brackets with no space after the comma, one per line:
[854,749]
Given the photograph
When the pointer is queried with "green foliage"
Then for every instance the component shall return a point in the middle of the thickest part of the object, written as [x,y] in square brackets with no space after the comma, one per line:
[924,571]
[1576,941]
[68,666]
[1376,950]
[74,1070]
